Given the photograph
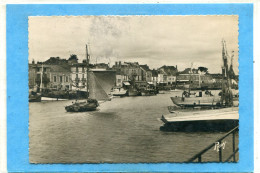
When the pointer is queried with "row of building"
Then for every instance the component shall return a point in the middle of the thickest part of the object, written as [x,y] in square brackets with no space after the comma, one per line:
[58,74]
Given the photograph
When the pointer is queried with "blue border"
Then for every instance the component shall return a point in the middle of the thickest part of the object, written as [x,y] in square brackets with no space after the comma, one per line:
[17,83]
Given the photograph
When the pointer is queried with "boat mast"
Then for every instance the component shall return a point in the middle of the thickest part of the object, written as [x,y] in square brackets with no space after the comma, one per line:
[87,65]
[190,77]
[41,79]
[226,86]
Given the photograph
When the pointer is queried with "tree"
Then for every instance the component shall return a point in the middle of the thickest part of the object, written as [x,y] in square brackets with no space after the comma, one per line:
[203,70]
[73,57]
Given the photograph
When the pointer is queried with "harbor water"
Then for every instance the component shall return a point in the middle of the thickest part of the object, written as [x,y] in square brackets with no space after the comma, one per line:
[123,130]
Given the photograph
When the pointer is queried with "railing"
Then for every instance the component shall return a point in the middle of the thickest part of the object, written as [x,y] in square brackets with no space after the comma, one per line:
[233,155]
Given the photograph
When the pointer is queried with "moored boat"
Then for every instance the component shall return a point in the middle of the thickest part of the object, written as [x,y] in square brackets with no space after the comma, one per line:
[133,92]
[118,91]
[35,97]
[148,92]
[202,99]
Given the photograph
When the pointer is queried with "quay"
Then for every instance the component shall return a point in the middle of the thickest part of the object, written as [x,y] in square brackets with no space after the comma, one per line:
[208,120]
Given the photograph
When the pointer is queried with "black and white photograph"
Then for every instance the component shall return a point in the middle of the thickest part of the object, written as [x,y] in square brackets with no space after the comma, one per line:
[133,89]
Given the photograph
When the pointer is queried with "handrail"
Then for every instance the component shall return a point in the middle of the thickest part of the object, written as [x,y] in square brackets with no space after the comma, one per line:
[198,156]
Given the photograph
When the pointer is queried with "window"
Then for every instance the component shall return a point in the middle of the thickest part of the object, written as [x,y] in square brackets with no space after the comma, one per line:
[67,79]
[77,69]
[60,78]
[77,76]
[82,76]
[54,79]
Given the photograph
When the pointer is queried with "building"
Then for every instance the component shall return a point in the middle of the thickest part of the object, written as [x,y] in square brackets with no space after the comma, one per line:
[49,77]
[168,74]
[101,66]
[146,73]
[78,76]
[32,75]
[154,78]
[121,79]
[59,77]
[194,77]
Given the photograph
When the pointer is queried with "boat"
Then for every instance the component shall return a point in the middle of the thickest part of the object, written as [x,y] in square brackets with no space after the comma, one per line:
[99,84]
[52,99]
[224,99]
[148,92]
[118,91]
[34,97]
[223,118]
[83,106]
[204,98]
[133,92]
[207,120]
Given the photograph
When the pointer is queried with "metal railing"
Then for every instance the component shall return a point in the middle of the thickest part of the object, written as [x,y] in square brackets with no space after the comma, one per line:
[233,155]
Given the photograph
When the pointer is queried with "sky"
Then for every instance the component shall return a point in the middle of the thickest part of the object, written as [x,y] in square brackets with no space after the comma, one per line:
[151,40]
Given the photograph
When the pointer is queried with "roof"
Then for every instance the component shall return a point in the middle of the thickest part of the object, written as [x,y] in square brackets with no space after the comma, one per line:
[169,70]
[145,67]
[187,71]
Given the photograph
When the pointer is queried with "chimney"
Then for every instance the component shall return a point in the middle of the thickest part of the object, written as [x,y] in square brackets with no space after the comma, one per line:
[119,63]
[116,63]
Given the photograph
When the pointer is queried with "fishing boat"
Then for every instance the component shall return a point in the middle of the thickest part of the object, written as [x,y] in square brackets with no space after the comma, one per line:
[99,84]
[224,118]
[206,120]
[203,98]
[224,98]
[194,99]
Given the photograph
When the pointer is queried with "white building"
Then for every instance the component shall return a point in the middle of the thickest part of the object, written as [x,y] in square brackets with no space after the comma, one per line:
[78,76]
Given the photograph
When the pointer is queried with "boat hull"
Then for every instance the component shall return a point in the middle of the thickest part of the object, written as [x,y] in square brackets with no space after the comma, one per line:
[148,93]
[133,93]
[196,101]
[36,98]
[52,99]
[119,93]
[81,108]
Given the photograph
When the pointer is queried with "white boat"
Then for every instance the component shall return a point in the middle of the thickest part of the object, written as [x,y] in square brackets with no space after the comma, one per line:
[52,99]
[118,91]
